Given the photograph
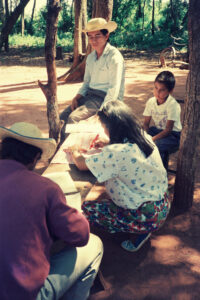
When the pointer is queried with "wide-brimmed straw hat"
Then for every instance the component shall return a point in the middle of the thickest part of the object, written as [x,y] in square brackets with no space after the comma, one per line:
[30,134]
[98,24]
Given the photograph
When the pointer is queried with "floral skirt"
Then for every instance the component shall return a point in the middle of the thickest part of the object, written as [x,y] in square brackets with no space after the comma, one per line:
[105,214]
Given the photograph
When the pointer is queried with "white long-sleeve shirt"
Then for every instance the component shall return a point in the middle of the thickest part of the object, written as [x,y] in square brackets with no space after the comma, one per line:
[105,74]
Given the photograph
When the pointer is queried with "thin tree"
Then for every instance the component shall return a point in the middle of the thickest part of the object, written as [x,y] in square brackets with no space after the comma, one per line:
[50,89]
[143,14]
[32,14]
[173,15]
[84,22]
[76,72]
[6,42]
[153,18]
[190,137]
[2,12]
[78,6]
[22,23]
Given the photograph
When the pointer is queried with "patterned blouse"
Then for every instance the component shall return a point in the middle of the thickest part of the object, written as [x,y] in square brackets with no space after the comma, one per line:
[130,178]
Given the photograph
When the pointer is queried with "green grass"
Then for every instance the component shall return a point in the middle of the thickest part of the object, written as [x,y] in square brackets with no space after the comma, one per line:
[28,41]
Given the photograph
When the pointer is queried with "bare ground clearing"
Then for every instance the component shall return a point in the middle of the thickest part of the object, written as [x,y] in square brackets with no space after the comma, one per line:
[168,266]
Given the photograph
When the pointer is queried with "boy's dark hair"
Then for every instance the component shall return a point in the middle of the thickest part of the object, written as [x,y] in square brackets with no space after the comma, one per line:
[166,78]
[123,126]
[14,149]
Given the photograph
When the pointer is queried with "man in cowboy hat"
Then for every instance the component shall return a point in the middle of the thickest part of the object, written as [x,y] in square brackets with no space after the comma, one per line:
[33,214]
[104,74]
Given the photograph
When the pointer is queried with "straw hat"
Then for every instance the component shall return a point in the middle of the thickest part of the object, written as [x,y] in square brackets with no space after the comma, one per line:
[98,24]
[30,134]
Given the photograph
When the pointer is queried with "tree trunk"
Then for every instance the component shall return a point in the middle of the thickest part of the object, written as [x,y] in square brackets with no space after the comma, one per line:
[32,15]
[103,9]
[71,15]
[84,22]
[50,89]
[10,22]
[190,137]
[2,13]
[6,42]
[143,15]
[6,8]
[33,11]
[22,23]
[77,32]
[173,15]
[153,15]
[139,10]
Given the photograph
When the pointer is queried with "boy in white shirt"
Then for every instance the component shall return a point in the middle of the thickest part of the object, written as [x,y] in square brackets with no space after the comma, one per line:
[165,111]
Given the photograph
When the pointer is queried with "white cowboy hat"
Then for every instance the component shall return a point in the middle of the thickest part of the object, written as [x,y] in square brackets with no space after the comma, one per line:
[98,24]
[30,134]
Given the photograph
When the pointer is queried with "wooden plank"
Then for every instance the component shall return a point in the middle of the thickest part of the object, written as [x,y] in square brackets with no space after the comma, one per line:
[57,168]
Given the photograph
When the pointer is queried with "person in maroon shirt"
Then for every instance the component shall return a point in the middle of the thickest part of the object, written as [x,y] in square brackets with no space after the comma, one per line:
[34,214]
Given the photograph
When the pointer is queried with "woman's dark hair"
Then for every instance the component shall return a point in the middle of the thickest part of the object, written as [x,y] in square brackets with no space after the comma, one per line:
[166,78]
[14,149]
[123,126]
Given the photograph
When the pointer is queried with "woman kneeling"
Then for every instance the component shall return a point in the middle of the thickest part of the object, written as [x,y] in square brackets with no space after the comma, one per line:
[130,165]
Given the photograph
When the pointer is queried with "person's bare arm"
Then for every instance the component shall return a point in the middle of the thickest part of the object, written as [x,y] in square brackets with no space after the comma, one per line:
[165,132]
[79,160]
[100,142]
[75,101]
[146,123]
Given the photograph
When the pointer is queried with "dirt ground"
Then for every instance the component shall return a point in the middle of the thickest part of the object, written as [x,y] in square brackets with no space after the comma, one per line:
[168,266]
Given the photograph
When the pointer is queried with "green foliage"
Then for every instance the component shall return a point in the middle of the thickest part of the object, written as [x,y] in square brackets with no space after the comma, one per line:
[66,20]
[123,10]
[89,9]
[28,41]
[135,23]
[141,40]
[66,40]
[174,21]
[36,28]
[39,25]
[134,19]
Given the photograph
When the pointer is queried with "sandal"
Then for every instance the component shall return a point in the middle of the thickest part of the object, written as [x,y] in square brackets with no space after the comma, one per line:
[129,246]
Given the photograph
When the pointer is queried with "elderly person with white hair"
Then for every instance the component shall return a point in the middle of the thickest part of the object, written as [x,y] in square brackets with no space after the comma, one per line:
[104,74]
[33,214]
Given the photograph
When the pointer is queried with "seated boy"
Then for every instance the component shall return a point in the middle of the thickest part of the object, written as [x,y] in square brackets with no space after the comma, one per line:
[164,110]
